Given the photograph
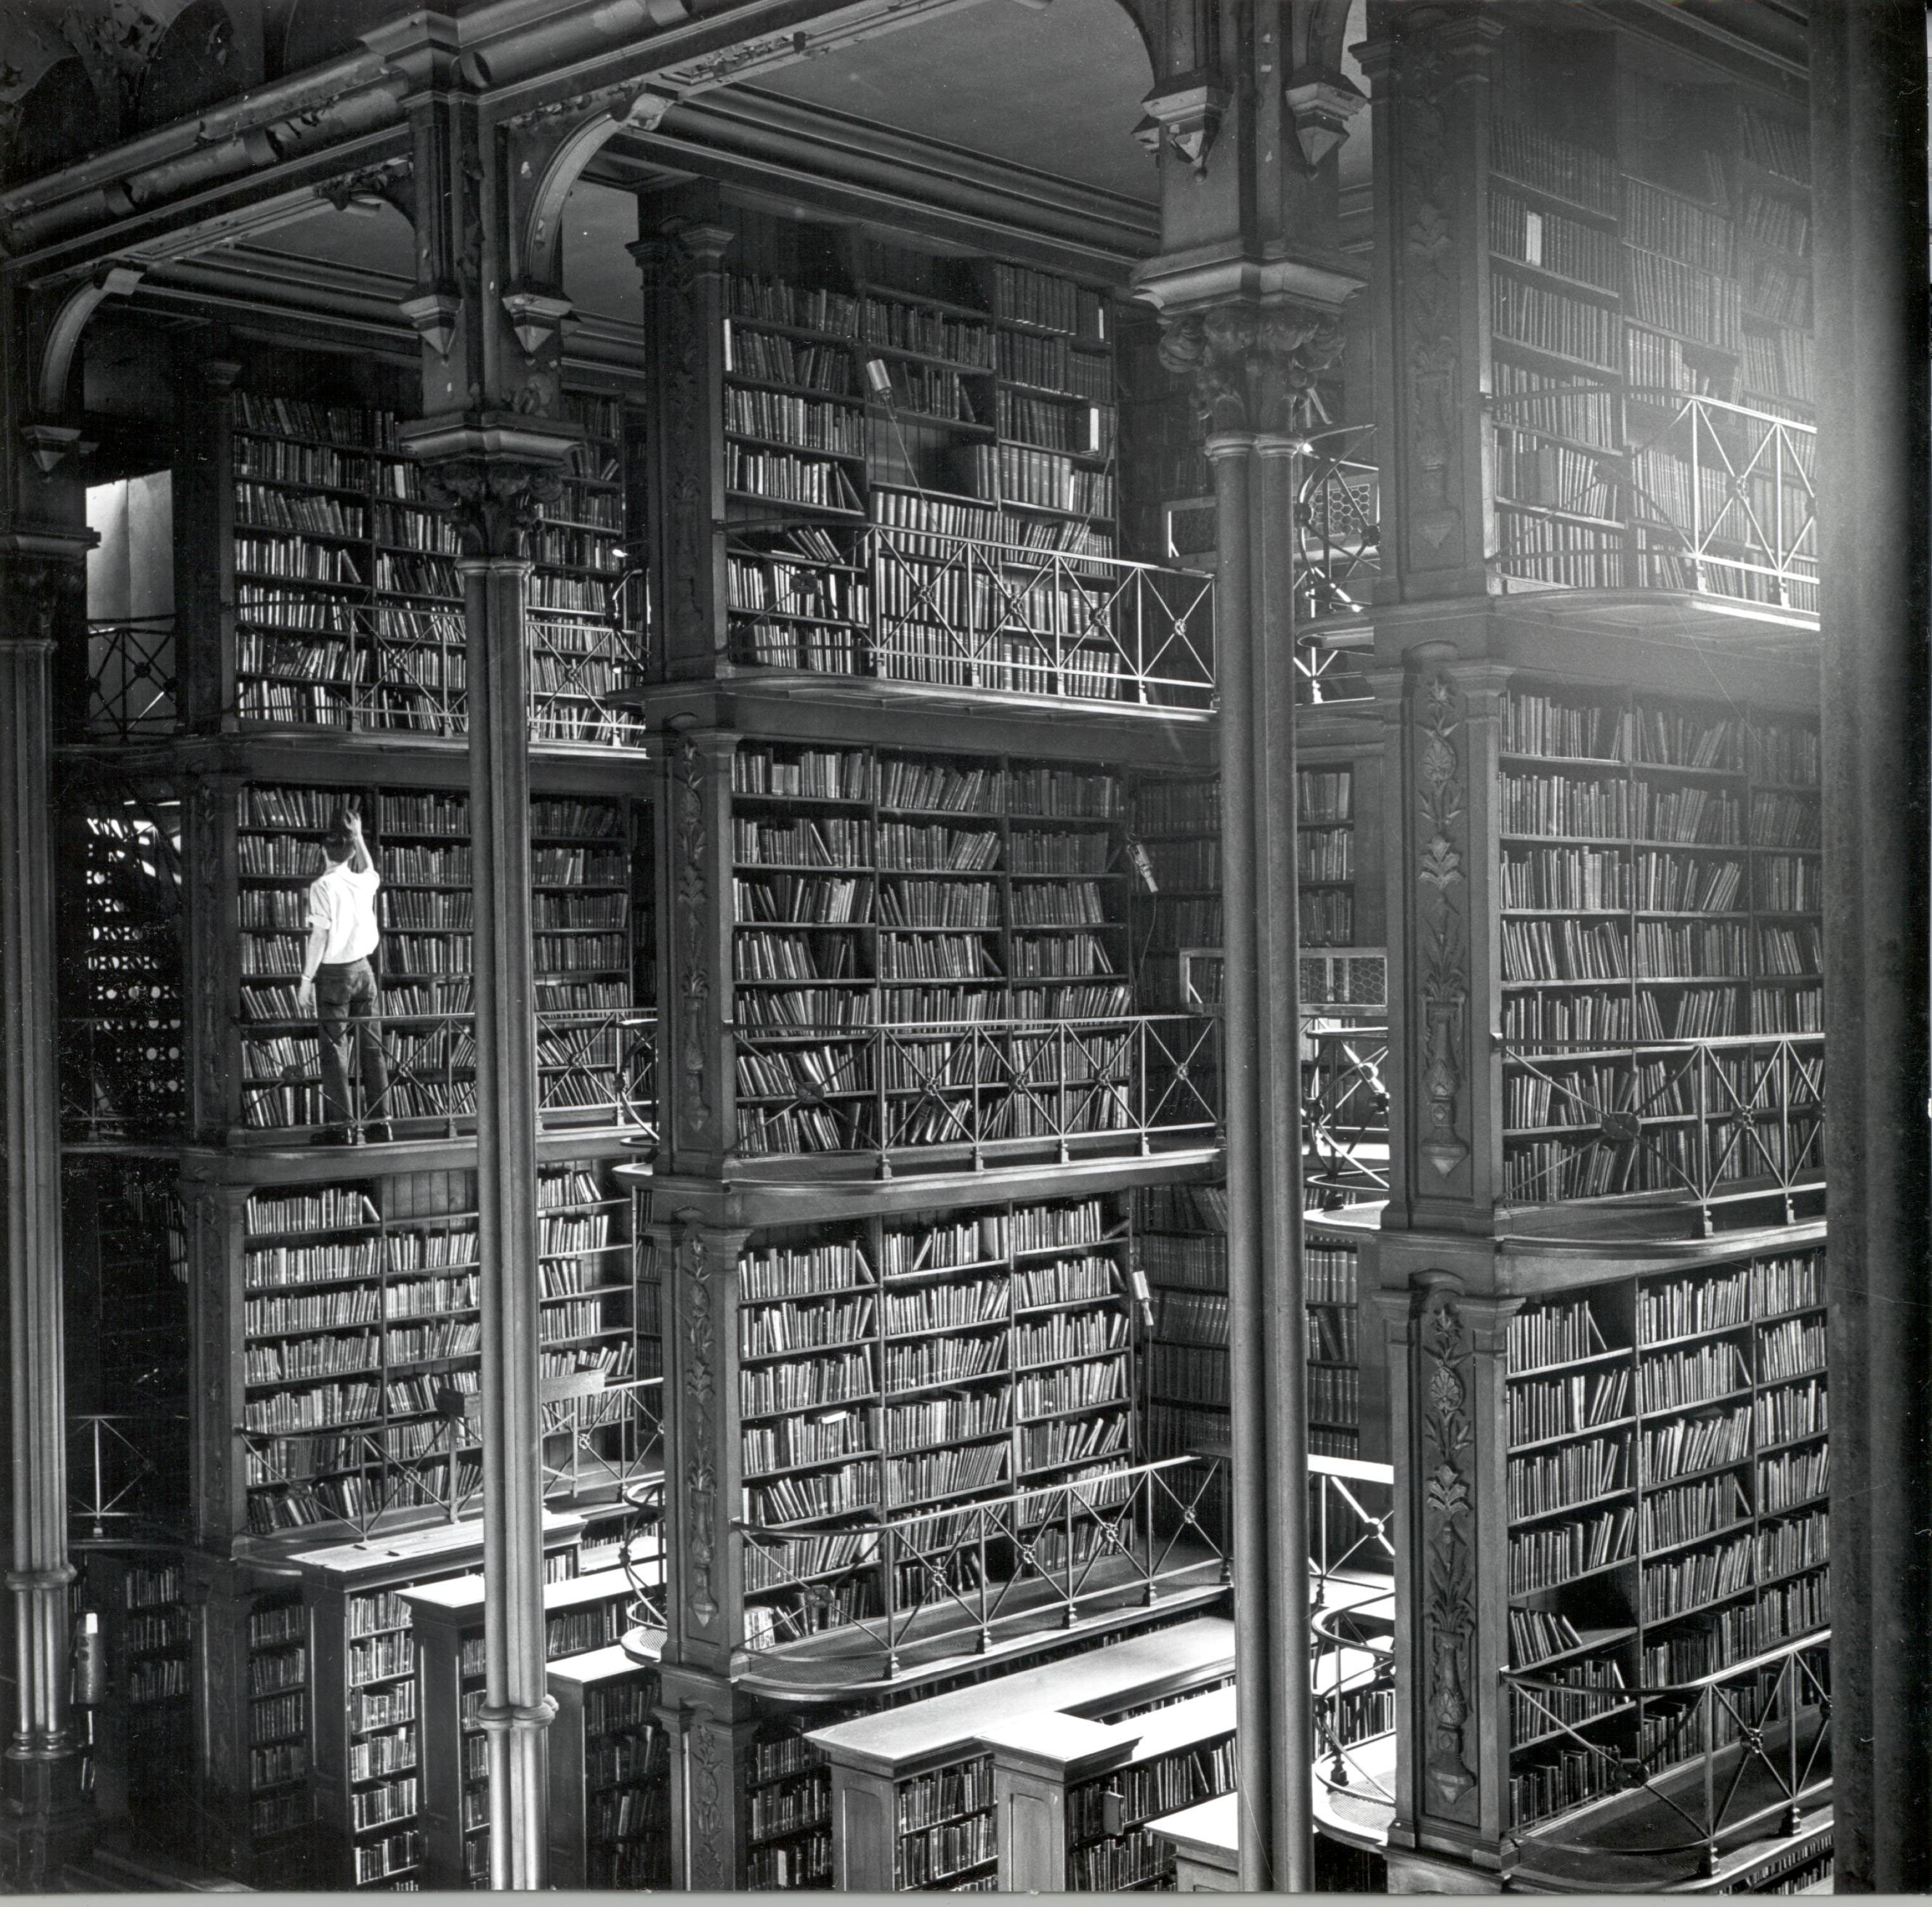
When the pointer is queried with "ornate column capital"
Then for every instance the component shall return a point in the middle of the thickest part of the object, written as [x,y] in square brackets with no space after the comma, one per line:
[1252,366]
[493,504]
[46,586]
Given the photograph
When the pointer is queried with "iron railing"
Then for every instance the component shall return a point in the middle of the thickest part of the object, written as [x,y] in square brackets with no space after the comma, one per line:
[1351,1593]
[957,612]
[131,674]
[1345,1112]
[126,1477]
[1024,1560]
[1337,558]
[1718,1121]
[387,671]
[1771,1712]
[985,1086]
[596,1067]
[364,1472]
[1719,501]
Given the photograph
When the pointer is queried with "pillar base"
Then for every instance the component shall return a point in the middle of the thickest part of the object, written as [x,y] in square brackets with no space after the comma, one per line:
[1412,1873]
[45,1824]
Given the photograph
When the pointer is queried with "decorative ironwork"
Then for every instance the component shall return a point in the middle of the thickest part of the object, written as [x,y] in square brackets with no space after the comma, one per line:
[1012,1564]
[985,1086]
[1345,1112]
[124,1474]
[1720,501]
[1772,1711]
[1722,1121]
[131,679]
[961,612]
[1351,1596]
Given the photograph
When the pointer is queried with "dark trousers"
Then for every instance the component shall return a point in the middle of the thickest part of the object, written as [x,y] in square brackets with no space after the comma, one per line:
[346,997]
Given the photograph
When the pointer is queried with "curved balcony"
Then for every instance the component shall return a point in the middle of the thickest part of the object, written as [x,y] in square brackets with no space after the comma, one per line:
[1666,1135]
[1701,1785]
[1352,1655]
[880,1604]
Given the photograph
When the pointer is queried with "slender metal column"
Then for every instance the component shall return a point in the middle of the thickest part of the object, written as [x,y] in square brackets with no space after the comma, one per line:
[517,1709]
[45,1811]
[1286,1317]
[1230,455]
[1868,142]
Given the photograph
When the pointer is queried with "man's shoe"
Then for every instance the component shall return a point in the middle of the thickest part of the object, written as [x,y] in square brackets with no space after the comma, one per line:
[378,1135]
[331,1138]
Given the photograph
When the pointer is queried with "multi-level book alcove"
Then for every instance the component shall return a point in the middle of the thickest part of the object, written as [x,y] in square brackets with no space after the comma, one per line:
[1667,1549]
[257,1077]
[314,661]
[916,476]
[324,590]
[1631,228]
[912,1080]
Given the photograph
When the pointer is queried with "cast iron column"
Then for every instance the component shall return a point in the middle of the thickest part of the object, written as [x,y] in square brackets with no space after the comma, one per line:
[1231,454]
[493,495]
[1868,142]
[40,596]
[1284,1310]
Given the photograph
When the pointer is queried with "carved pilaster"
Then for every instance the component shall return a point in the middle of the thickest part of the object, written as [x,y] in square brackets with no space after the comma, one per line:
[213,960]
[204,506]
[702,1457]
[1449,1354]
[1431,73]
[697,1113]
[685,311]
[217,1486]
[710,1727]
[1445,939]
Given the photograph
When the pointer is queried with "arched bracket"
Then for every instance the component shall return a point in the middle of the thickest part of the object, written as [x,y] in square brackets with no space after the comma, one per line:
[55,359]
[540,229]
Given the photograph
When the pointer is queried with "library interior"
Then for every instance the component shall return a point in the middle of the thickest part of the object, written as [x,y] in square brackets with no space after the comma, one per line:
[915,928]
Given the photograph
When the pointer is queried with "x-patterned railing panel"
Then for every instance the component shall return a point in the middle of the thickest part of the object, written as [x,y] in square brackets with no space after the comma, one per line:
[956,610]
[131,679]
[1714,1118]
[1036,1555]
[1755,1706]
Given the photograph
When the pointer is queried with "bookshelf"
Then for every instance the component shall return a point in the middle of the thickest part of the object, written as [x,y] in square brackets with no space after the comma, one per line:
[1619,294]
[583,1615]
[348,604]
[886,907]
[356,1350]
[893,1366]
[1074,1794]
[141,1741]
[913,1804]
[918,475]
[1667,1471]
[1658,882]
[590,870]
[610,1772]
[370,1762]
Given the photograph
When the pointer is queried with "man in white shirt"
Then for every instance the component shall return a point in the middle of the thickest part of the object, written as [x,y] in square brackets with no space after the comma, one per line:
[338,985]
